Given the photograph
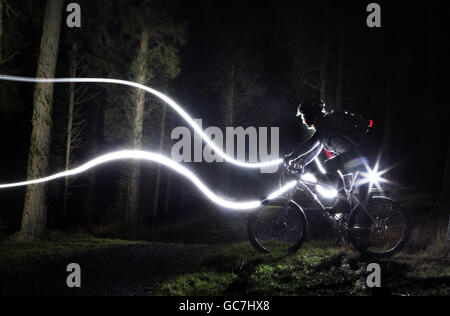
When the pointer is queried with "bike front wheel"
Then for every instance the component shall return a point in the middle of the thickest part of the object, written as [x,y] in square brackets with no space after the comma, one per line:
[381,230]
[275,228]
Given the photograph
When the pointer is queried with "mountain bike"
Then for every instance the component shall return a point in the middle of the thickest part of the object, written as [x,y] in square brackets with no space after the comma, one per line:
[375,225]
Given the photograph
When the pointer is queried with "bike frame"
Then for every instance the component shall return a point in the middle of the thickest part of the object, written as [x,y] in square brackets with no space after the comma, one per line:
[357,219]
[350,195]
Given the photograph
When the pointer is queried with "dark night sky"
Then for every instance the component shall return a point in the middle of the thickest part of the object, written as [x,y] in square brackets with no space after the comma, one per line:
[412,39]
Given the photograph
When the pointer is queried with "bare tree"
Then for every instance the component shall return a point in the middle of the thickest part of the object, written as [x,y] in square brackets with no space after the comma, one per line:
[6,11]
[35,209]
[75,120]
[157,60]
[73,74]
[141,69]
[162,136]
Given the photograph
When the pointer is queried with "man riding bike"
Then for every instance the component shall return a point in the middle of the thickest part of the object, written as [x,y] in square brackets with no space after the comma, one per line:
[339,133]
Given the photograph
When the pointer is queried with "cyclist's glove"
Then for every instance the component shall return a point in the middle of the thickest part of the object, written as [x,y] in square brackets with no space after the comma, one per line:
[287,159]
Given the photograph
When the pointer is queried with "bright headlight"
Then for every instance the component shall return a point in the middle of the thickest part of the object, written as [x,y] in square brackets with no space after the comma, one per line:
[373,176]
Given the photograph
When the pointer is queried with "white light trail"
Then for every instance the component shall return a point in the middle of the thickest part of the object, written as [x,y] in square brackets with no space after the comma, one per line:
[282,190]
[326,192]
[320,166]
[149,156]
[309,177]
[161,96]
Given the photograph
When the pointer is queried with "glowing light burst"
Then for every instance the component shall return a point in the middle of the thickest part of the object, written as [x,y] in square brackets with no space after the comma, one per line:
[149,156]
[373,176]
[159,95]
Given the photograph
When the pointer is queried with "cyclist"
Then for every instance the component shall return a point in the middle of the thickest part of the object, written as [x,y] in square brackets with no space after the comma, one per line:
[339,133]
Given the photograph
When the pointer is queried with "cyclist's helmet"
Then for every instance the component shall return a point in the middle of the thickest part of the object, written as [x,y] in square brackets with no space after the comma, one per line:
[311,107]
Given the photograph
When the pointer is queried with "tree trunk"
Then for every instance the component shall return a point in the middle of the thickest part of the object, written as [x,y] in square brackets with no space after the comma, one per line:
[340,72]
[158,171]
[35,208]
[73,74]
[89,197]
[324,66]
[138,124]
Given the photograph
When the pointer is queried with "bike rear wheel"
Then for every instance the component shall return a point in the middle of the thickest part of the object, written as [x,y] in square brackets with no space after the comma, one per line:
[382,235]
[274,229]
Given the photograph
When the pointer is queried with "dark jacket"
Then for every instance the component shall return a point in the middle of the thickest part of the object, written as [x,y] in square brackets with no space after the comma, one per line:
[337,132]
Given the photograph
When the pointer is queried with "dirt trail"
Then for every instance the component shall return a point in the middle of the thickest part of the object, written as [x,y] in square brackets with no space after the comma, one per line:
[125,270]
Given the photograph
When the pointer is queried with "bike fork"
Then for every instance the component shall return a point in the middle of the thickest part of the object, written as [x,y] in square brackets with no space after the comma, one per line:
[283,213]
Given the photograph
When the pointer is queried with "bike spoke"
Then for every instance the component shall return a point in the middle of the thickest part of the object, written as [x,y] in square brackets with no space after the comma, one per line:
[277,227]
[385,233]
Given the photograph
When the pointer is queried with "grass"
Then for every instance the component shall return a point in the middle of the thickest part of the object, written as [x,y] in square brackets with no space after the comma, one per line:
[317,269]
[230,266]
[197,284]
[237,269]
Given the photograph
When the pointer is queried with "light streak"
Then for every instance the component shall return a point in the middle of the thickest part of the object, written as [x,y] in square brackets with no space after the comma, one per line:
[309,177]
[326,192]
[283,190]
[320,166]
[149,156]
[159,95]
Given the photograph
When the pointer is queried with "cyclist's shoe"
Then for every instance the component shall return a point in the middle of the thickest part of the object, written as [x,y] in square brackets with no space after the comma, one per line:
[332,210]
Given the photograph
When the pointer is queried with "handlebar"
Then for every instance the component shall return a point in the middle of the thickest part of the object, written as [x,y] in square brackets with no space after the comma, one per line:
[294,169]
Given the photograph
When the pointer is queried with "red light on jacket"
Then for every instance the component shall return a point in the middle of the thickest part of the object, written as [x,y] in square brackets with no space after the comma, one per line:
[329,154]
[371,123]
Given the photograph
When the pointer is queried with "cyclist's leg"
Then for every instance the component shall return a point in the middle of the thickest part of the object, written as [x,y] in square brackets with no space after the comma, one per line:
[333,166]
[347,164]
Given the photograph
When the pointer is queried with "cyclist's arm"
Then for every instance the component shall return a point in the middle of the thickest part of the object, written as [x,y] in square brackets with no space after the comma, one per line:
[307,152]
